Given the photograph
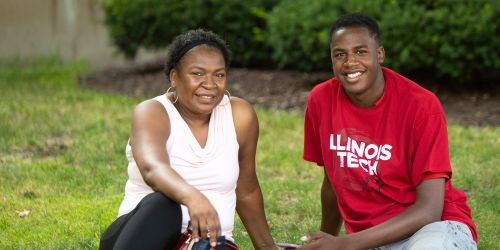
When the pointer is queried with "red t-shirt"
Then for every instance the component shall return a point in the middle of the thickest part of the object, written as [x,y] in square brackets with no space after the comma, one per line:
[376,157]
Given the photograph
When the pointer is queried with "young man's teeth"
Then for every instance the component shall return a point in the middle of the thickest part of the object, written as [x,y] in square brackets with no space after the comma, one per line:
[354,75]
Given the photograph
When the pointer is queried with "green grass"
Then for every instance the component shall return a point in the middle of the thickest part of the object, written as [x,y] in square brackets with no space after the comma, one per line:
[62,158]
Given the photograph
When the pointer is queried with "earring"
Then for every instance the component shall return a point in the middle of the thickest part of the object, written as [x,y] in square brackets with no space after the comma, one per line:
[229,94]
[176,96]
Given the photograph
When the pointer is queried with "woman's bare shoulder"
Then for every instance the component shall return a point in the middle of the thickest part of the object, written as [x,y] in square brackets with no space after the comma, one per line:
[147,107]
[244,118]
[240,105]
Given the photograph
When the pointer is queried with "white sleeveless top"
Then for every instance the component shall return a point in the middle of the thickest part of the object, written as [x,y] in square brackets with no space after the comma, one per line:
[213,169]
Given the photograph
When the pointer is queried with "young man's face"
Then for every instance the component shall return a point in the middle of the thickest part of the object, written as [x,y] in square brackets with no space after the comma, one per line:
[356,58]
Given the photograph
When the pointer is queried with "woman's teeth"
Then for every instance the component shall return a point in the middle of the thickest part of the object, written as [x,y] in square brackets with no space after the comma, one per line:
[206,97]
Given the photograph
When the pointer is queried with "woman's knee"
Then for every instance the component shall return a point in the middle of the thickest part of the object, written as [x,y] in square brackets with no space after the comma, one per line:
[160,205]
[160,200]
[154,224]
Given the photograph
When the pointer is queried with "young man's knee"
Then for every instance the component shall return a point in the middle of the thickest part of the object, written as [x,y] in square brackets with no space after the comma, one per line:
[442,235]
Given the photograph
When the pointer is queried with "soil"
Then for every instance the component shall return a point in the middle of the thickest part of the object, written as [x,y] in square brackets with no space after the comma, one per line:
[288,90]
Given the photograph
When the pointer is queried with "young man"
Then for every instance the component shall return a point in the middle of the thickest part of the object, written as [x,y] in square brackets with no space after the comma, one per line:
[383,144]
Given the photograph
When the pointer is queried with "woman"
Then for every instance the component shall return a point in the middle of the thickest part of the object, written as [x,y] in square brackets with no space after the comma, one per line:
[191,157]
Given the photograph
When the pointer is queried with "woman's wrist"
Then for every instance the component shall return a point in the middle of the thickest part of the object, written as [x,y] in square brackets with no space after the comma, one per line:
[190,197]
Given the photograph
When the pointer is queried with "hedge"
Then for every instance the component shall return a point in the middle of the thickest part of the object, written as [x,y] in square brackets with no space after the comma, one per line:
[135,24]
[152,24]
[449,38]
[455,39]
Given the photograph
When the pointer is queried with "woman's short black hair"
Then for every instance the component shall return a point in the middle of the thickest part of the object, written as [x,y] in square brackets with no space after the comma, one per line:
[357,19]
[190,39]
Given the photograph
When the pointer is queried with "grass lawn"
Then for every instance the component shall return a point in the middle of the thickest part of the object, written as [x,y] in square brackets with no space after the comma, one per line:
[63,168]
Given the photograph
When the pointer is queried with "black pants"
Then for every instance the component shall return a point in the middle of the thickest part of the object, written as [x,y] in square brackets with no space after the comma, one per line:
[154,224]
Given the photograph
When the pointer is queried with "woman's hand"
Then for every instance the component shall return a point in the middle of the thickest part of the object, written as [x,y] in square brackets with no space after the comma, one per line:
[204,218]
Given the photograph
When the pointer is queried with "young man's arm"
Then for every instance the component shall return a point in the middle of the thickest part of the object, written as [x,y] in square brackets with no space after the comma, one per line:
[427,208]
[331,221]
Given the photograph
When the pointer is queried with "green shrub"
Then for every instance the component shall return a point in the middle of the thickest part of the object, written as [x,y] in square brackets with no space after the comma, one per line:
[152,24]
[455,39]
[242,24]
[447,38]
[298,32]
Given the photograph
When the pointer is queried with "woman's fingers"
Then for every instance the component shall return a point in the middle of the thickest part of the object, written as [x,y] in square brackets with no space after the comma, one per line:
[214,230]
[204,220]
[206,226]
[195,227]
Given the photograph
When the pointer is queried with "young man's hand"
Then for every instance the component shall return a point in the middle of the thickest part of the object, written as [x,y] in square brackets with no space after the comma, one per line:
[322,240]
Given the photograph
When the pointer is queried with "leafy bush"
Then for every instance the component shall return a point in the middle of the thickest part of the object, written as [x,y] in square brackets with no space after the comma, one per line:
[456,39]
[135,24]
[152,24]
[453,39]
[242,24]
[299,31]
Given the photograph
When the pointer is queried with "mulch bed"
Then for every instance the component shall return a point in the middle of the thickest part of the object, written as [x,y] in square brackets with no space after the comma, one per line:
[285,90]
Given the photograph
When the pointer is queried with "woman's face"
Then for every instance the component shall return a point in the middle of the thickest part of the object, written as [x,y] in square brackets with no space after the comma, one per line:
[200,80]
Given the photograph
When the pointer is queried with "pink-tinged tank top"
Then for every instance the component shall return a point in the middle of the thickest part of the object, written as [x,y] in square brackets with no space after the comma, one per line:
[213,169]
